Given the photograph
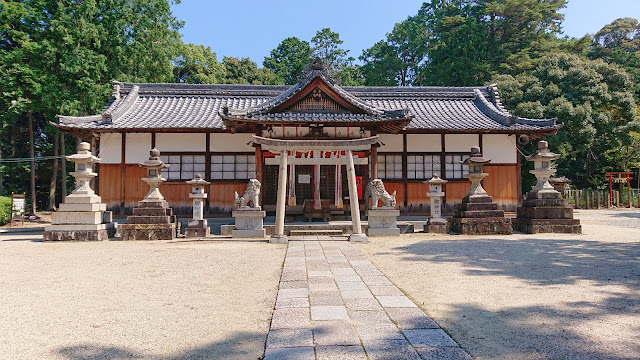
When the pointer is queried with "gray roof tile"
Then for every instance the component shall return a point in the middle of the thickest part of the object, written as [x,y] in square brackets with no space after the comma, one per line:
[187,106]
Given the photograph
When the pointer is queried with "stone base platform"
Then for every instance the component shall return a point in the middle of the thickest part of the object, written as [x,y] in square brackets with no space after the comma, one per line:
[249,223]
[197,229]
[147,232]
[546,213]
[481,226]
[79,235]
[383,222]
[436,227]
[536,226]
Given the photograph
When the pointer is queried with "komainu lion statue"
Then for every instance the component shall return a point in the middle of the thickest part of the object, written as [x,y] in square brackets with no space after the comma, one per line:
[250,195]
[377,192]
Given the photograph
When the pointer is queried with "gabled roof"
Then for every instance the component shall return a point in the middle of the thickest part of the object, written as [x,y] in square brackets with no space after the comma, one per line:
[198,108]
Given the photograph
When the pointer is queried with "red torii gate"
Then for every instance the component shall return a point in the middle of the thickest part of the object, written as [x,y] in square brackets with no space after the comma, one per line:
[619,177]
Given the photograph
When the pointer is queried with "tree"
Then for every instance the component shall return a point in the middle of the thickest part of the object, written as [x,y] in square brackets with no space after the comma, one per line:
[619,43]
[245,71]
[289,59]
[594,102]
[197,64]
[397,60]
[326,47]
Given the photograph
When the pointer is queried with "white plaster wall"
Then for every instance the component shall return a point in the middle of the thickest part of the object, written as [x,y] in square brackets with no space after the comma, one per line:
[500,148]
[138,147]
[230,143]
[110,148]
[460,142]
[392,143]
[424,143]
[180,142]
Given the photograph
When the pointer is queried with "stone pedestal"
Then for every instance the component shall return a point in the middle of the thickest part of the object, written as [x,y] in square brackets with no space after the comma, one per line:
[197,229]
[550,214]
[437,226]
[383,222]
[479,215]
[151,220]
[80,219]
[82,216]
[249,223]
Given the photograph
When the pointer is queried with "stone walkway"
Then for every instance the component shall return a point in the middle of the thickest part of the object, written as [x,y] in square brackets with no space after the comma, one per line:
[334,304]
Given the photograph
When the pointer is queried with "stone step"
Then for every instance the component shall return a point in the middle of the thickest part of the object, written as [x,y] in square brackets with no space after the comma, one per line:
[315,232]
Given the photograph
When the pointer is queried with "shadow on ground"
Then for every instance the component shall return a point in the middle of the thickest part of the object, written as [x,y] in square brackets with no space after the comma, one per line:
[237,346]
[562,330]
[540,261]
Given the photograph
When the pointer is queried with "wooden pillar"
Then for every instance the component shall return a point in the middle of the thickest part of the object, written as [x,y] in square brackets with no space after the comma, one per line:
[443,171]
[278,234]
[96,167]
[404,172]
[518,173]
[153,140]
[123,170]
[357,235]
[259,168]
[207,166]
[316,182]
[374,162]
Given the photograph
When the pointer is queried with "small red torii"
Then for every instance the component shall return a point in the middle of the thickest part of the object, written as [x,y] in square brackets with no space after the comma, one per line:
[621,177]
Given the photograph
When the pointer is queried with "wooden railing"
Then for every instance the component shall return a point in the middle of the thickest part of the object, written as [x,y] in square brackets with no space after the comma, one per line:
[600,199]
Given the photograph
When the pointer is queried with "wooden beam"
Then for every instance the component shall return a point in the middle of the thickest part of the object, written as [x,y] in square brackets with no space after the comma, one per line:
[443,172]
[207,167]
[519,173]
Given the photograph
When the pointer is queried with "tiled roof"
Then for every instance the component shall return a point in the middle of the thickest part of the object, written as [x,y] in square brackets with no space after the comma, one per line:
[197,107]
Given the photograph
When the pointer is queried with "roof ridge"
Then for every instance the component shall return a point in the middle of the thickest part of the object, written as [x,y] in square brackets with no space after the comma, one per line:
[501,115]
[118,108]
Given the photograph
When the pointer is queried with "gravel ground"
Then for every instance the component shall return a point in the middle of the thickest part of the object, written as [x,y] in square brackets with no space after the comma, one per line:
[545,296]
[140,300]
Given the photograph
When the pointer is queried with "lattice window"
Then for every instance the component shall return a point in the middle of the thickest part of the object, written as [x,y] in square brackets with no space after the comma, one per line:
[185,167]
[231,166]
[453,167]
[317,101]
[390,166]
[423,167]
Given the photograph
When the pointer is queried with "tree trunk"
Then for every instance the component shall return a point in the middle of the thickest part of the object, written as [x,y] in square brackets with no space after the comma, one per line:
[54,175]
[1,174]
[32,162]
[63,167]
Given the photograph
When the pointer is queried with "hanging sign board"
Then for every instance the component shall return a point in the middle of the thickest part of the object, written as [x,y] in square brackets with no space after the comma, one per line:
[304,179]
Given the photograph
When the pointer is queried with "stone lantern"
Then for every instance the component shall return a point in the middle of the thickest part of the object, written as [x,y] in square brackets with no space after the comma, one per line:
[82,215]
[476,162]
[543,169]
[152,219]
[545,210]
[154,177]
[436,223]
[478,214]
[198,227]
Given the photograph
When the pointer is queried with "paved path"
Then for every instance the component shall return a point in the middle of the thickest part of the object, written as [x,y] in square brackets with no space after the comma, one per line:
[334,304]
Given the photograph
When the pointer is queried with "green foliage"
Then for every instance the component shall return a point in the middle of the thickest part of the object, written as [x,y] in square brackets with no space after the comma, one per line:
[397,60]
[5,209]
[197,64]
[593,101]
[289,59]
[245,71]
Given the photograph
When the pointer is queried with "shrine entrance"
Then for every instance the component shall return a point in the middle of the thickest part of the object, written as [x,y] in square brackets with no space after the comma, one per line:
[316,154]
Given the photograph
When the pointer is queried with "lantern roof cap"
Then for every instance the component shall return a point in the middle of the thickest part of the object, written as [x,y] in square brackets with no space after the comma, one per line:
[543,152]
[475,158]
[84,154]
[436,180]
[198,180]
[154,160]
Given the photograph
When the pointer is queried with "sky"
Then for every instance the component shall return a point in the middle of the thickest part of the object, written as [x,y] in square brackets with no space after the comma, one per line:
[252,28]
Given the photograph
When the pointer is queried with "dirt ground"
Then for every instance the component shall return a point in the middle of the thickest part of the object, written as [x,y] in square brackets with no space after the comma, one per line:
[134,300]
[545,296]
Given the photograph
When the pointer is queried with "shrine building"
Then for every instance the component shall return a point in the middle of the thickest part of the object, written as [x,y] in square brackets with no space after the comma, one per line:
[209,130]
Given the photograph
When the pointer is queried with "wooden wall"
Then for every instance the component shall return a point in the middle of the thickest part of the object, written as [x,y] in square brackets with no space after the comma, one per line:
[221,195]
